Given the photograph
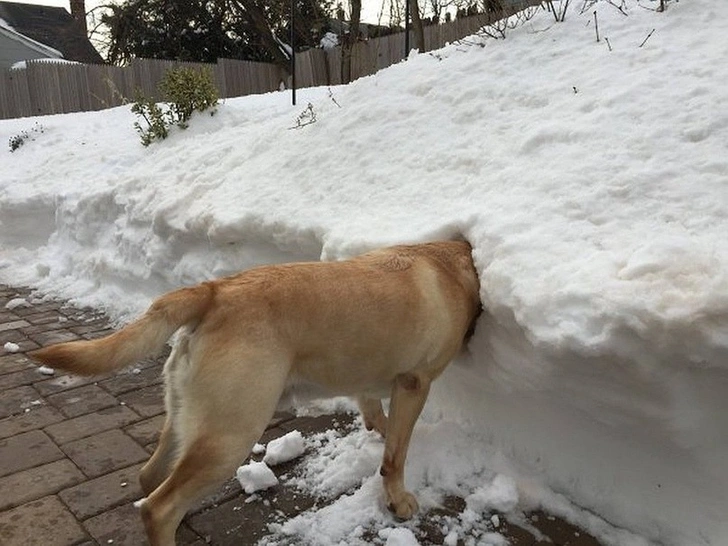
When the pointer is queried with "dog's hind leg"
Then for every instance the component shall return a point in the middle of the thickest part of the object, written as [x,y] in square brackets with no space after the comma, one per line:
[409,394]
[159,466]
[373,415]
[202,467]
[225,405]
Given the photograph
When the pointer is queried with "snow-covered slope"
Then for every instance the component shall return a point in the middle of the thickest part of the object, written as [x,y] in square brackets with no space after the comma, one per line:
[592,180]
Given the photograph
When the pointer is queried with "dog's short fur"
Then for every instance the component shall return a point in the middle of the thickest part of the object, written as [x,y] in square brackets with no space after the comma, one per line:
[382,324]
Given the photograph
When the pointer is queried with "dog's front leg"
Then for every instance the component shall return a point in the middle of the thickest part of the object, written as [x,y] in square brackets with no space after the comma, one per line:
[409,393]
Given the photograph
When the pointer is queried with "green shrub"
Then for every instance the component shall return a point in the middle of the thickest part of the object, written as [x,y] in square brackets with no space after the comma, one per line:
[187,90]
[184,90]
[157,120]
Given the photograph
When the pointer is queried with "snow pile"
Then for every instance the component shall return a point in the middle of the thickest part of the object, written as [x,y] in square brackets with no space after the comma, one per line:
[286,448]
[501,495]
[398,537]
[11,347]
[255,476]
[590,179]
[15,303]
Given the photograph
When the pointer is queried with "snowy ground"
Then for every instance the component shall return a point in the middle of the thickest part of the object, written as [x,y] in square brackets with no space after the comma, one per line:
[592,180]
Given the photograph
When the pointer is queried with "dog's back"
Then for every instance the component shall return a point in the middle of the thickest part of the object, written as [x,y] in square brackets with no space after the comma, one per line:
[352,325]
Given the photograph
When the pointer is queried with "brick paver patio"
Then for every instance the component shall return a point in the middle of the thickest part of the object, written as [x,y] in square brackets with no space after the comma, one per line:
[71,448]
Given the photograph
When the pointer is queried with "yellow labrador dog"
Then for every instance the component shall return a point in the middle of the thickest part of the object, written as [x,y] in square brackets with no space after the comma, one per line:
[383,324]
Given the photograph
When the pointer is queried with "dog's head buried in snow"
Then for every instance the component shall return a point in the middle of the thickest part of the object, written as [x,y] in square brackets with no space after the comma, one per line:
[384,324]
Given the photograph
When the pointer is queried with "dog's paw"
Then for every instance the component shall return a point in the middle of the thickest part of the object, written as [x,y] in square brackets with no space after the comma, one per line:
[404,507]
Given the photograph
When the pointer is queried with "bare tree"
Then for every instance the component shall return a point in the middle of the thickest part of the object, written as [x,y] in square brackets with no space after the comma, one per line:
[417,25]
[256,18]
[349,40]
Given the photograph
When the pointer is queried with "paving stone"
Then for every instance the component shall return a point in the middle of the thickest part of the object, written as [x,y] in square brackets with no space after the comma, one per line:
[147,402]
[558,531]
[85,316]
[38,482]
[281,417]
[63,382]
[101,494]
[35,418]
[92,331]
[13,325]
[229,490]
[147,431]
[271,433]
[14,363]
[12,336]
[226,524]
[53,336]
[91,423]
[310,424]
[23,377]
[239,522]
[46,317]
[48,326]
[105,452]
[132,379]
[17,400]
[5,314]
[27,450]
[44,522]
[82,400]
[123,527]
[34,308]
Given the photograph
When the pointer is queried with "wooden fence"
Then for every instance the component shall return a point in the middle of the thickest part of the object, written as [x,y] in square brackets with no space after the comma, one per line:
[51,88]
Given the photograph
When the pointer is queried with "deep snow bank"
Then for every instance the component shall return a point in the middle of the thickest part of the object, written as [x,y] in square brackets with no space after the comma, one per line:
[592,184]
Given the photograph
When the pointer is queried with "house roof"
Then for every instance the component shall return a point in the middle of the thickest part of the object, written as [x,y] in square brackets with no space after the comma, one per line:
[42,49]
[51,26]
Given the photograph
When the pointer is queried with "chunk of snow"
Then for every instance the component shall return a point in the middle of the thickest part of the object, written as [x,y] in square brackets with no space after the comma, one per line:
[258,449]
[11,347]
[500,495]
[255,476]
[284,449]
[46,370]
[492,539]
[399,537]
[15,303]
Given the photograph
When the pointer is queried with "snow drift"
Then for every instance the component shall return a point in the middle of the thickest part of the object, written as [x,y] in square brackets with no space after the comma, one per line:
[591,179]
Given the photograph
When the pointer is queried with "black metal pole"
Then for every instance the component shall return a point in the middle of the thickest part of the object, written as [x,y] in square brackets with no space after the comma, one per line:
[293,52]
[406,28]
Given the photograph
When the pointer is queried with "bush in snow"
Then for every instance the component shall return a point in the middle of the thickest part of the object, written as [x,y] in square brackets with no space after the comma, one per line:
[504,20]
[18,140]
[185,90]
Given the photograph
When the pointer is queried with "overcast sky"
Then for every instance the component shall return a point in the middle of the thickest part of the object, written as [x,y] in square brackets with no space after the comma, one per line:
[370,8]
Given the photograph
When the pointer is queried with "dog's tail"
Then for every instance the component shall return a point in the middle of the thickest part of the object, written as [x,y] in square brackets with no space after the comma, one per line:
[144,337]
